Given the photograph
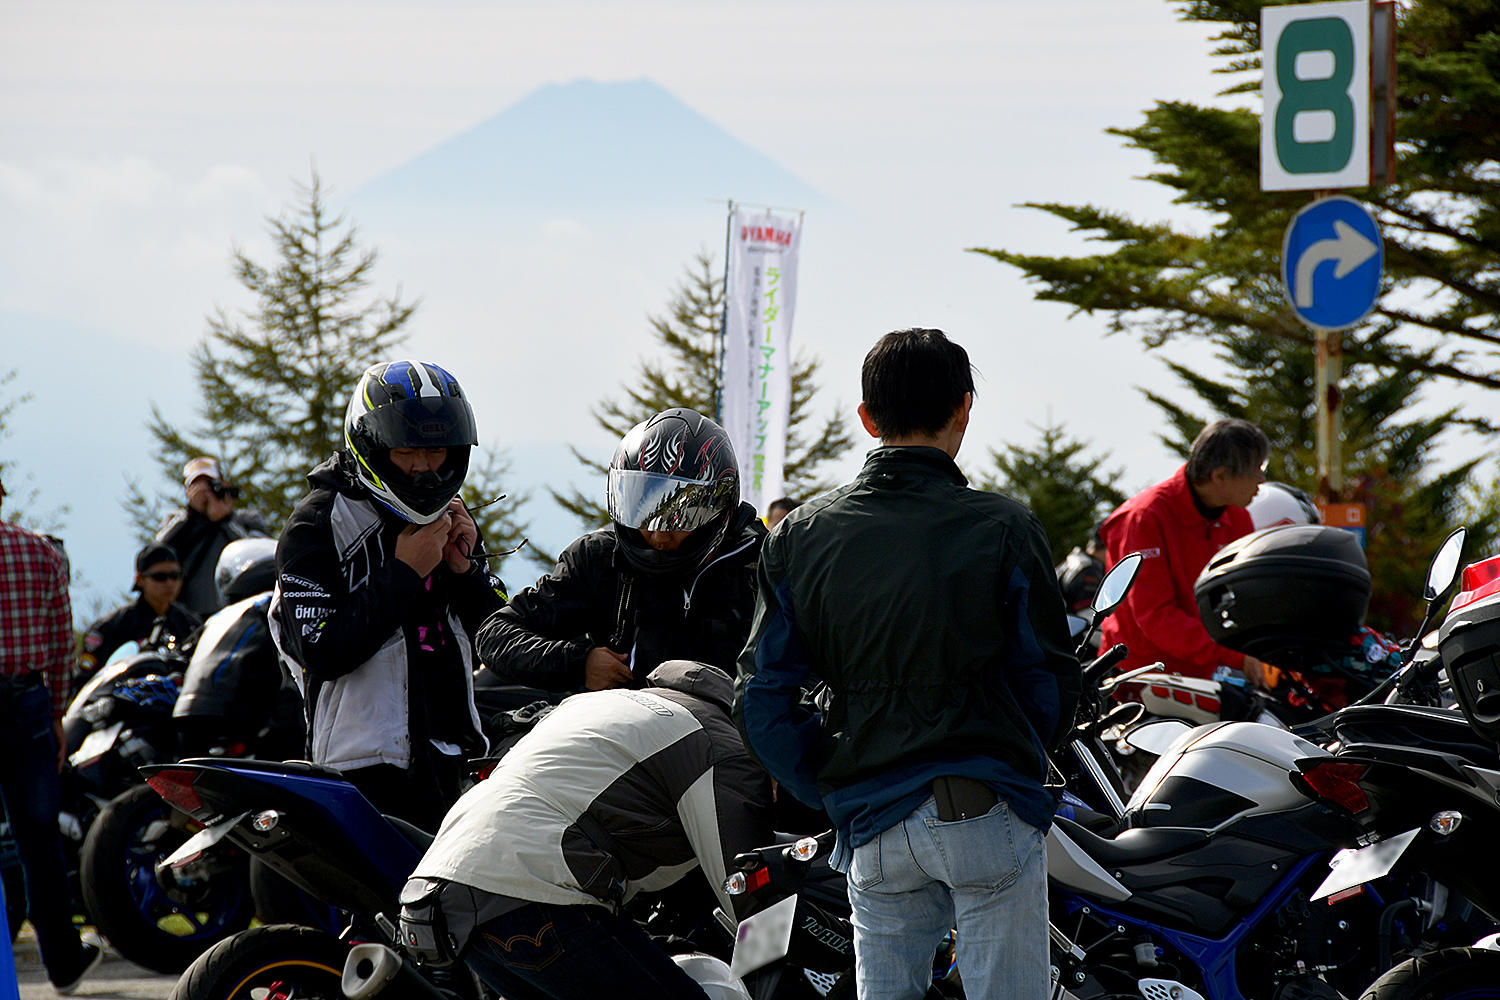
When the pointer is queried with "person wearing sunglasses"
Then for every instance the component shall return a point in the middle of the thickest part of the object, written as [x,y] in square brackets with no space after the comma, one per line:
[158,583]
[200,530]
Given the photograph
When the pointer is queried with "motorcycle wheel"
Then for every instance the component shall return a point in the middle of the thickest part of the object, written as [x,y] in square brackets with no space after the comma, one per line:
[274,962]
[1448,974]
[157,927]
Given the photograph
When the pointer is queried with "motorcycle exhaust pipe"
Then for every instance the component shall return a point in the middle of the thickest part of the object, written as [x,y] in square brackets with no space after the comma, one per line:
[371,967]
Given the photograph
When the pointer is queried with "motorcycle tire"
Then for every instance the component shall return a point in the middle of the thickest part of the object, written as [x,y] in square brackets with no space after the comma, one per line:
[280,960]
[156,927]
[1448,974]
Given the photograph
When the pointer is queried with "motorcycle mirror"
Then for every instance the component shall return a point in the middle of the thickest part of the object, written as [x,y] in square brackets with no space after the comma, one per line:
[1111,592]
[1156,736]
[1116,584]
[1443,573]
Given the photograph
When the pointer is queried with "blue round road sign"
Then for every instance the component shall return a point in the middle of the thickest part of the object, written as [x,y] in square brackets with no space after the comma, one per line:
[1331,261]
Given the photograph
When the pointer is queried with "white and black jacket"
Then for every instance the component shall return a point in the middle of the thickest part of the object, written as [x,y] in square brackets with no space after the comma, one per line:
[348,618]
[614,792]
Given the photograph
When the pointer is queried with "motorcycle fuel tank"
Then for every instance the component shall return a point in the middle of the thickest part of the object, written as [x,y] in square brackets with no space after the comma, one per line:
[1213,774]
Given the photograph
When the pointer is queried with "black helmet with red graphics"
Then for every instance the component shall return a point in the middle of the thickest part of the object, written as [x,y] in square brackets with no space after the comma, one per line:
[675,472]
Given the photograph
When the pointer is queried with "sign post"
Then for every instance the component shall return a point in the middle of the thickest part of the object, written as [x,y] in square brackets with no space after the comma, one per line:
[1319,132]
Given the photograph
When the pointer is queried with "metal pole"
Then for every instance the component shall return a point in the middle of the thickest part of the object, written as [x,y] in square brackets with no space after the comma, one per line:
[1329,368]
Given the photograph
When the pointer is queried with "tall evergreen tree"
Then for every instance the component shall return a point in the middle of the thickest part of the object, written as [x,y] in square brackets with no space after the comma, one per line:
[1218,274]
[1215,276]
[688,376]
[274,380]
[1068,490]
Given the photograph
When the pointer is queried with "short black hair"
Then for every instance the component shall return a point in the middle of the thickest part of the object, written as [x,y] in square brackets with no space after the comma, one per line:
[783,503]
[913,381]
[1233,444]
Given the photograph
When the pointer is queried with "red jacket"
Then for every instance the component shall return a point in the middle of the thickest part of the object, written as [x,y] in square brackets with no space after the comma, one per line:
[1159,620]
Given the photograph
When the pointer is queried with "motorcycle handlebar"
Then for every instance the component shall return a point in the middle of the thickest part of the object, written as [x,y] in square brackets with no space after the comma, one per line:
[1100,668]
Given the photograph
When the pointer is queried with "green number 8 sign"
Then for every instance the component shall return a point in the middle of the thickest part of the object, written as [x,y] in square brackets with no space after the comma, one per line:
[1328,94]
[1315,131]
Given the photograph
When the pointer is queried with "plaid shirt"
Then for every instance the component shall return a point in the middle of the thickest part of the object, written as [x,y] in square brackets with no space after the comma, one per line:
[36,616]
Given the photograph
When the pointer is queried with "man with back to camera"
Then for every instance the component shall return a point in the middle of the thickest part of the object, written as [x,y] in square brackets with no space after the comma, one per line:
[199,531]
[932,613]
[158,582]
[1178,525]
[671,577]
[381,580]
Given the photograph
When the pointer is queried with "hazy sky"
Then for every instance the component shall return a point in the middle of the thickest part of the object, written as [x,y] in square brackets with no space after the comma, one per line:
[140,140]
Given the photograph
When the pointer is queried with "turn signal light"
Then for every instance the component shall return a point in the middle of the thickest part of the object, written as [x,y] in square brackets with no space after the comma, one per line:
[1445,822]
[803,850]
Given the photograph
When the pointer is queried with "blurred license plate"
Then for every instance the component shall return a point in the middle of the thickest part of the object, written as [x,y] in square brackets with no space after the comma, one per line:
[1352,868]
[763,938]
[95,745]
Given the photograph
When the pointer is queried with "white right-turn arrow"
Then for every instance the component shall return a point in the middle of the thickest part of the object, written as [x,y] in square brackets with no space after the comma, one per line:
[1349,247]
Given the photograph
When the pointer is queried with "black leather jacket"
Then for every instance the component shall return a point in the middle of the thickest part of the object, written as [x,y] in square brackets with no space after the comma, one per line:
[593,598]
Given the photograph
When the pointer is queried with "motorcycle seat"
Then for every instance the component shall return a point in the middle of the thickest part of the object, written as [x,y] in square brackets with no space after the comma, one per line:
[420,838]
[1131,846]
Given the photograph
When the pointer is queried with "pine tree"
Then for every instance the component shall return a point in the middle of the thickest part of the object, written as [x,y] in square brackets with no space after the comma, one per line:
[1218,274]
[1215,276]
[689,333]
[1065,488]
[274,380]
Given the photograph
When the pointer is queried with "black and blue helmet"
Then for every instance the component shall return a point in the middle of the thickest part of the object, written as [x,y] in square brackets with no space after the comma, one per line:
[409,404]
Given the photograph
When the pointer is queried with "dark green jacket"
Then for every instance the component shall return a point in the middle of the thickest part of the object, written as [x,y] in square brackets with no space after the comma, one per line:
[932,612]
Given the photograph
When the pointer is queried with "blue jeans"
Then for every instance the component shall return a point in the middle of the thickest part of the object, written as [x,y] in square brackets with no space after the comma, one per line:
[986,877]
[33,798]
[542,950]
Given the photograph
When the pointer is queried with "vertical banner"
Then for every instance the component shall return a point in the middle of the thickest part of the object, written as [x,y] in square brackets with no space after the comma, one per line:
[757,375]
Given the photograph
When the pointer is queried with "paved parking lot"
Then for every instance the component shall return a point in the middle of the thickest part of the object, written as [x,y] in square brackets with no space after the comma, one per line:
[114,979]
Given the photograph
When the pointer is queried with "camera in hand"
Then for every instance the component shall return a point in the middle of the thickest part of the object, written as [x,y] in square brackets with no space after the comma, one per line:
[221,489]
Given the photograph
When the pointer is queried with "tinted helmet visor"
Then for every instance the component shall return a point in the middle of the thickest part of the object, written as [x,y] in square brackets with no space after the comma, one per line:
[424,422]
[653,501]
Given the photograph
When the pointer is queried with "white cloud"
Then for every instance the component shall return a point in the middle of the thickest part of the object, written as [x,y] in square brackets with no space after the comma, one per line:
[228,181]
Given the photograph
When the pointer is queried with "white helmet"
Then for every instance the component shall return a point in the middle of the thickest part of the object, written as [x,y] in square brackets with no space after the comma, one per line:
[1277,503]
[713,975]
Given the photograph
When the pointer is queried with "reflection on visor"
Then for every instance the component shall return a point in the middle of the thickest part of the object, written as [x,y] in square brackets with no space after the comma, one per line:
[651,501]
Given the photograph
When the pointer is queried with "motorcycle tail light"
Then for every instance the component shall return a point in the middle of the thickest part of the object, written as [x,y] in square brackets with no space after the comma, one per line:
[266,821]
[1445,822]
[1479,580]
[176,786]
[1338,782]
[742,882]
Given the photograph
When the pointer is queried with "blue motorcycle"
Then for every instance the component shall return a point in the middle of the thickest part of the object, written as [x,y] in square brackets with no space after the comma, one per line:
[313,828]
